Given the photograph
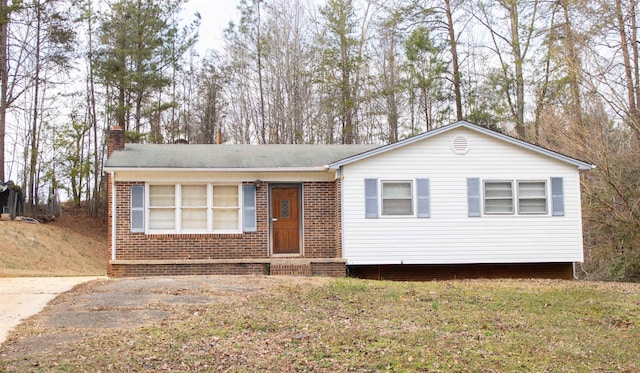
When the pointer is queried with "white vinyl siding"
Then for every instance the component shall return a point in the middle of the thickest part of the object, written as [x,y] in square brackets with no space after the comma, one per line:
[194,208]
[450,235]
[397,198]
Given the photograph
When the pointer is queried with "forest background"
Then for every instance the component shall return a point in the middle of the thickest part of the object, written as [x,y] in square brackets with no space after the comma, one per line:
[562,74]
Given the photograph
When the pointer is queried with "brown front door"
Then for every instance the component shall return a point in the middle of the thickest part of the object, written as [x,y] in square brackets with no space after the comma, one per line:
[285,219]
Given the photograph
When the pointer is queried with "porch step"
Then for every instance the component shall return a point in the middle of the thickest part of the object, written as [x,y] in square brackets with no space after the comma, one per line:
[290,269]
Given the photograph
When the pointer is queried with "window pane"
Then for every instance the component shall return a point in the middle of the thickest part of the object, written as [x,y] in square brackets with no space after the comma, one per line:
[498,197]
[533,206]
[162,219]
[498,190]
[194,195]
[532,197]
[225,196]
[162,196]
[397,207]
[226,219]
[531,189]
[498,206]
[396,190]
[194,219]
[397,198]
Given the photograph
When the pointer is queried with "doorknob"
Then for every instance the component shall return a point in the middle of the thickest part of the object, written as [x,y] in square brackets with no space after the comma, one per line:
[274,219]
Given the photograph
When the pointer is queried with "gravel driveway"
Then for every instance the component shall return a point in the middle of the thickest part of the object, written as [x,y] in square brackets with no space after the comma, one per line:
[103,304]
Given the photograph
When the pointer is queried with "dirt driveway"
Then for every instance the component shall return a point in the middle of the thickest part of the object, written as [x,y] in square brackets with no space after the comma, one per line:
[101,305]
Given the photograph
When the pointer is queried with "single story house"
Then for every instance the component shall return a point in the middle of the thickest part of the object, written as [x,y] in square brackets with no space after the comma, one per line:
[458,201]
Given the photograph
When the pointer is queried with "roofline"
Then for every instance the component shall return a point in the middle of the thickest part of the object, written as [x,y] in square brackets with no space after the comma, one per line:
[583,166]
[202,169]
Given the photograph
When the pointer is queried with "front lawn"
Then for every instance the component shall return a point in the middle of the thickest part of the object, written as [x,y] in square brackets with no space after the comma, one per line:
[369,326]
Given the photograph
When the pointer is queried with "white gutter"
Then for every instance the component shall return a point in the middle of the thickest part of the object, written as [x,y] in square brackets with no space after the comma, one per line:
[184,169]
[113,215]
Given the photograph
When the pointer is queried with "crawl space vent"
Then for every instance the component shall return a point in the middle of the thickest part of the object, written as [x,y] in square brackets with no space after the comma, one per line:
[460,145]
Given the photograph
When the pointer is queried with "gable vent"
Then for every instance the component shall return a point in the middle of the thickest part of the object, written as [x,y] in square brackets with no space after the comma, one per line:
[460,145]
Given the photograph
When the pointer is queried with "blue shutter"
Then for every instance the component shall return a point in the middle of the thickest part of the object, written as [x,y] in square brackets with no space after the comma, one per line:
[249,219]
[137,208]
[557,196]
[371,198]
[473,196]
[424,199]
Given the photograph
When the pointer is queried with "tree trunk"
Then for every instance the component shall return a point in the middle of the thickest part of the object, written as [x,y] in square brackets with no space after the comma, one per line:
[32,190]
[518,65]
[263,125]
[628,69]
[453,46]
[574,65]
[93,118]
[4,76]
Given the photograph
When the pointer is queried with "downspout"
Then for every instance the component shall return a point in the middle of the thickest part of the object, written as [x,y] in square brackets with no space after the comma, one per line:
[341,178]
[113,215]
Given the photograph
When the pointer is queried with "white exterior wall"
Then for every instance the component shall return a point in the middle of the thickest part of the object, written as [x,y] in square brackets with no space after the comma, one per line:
[449,236]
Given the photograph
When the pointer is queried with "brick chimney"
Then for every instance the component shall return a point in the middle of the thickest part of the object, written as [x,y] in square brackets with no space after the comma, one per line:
[116,139]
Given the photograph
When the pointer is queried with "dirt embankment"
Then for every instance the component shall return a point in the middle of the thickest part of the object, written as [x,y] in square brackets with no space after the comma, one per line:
[73,245]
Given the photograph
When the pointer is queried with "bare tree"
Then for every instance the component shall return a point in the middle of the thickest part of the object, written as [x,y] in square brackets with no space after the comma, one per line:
[511,45]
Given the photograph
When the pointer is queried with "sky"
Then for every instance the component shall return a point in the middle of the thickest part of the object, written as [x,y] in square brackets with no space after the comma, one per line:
[215,16]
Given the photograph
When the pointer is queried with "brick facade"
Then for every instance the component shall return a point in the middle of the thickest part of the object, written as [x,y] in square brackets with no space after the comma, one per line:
[147,269]
[140,254]
[320,225]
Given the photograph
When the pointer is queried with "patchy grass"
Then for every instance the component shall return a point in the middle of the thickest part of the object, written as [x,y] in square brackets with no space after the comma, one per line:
[369,326]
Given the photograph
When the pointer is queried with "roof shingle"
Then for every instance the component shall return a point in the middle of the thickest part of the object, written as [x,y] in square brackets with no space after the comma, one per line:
[183,156]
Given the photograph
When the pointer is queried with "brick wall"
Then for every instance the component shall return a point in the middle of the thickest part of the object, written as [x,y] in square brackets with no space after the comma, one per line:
[321,222]
[135,270]
[115,140]
[140,246]
[329,269]
[338,219]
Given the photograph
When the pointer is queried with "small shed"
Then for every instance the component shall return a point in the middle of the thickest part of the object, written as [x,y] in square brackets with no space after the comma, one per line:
[10,199]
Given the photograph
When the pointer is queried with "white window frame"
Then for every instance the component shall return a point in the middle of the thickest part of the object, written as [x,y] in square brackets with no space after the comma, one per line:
[207,207]
[515,196]
[485,198]
[238,209]
[149,208]
[178,210]
[412,193]
[545,197]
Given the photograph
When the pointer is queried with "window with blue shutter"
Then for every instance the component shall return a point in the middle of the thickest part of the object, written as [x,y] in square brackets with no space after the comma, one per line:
[249,219]
[473,196]
[371,198]
[424,199]
[137,209]
[557,196]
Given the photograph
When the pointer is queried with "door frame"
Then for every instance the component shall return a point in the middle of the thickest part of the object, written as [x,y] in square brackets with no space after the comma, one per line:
[300,188]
